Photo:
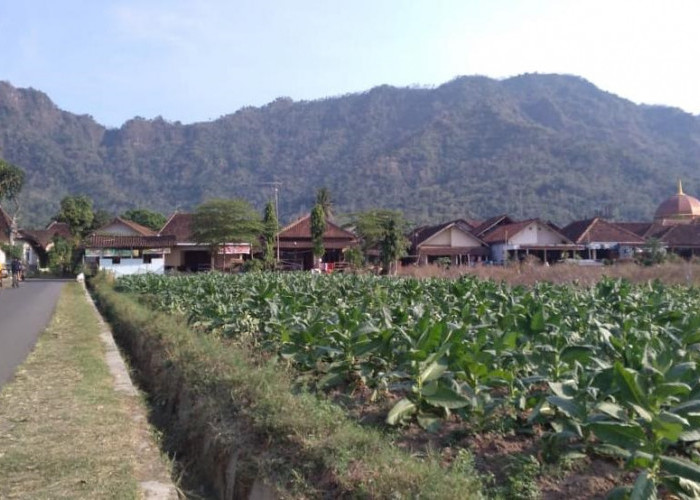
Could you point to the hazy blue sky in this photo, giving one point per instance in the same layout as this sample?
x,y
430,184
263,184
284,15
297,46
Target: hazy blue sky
x,y
197,60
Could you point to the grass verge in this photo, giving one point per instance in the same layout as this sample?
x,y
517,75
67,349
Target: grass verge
x,y
239,424
64,431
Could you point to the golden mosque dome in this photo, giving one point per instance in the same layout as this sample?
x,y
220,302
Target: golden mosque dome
x,y
679,207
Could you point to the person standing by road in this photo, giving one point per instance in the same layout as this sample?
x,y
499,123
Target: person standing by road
x,y
16,268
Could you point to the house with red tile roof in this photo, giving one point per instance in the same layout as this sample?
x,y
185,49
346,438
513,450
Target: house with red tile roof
x,y
188,255
453,240
603,240
532,237
296,245
124,247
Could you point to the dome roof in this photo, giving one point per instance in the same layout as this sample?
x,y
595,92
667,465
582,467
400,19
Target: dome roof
x,y
679,206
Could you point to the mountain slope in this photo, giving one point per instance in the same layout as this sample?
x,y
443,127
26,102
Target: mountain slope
x,y
535,145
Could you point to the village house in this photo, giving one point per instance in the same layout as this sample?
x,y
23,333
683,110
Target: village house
x,y
38,242
125,247
532,237
296,245
601,239
188,255
451,240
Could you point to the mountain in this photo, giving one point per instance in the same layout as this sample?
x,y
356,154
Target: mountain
x,y
552,146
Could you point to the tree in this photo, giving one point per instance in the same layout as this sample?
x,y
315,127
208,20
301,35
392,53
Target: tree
x,y
11,182
145,217
382,230
77,212
61,256
220,221
270,229
318,227
323,198
100,218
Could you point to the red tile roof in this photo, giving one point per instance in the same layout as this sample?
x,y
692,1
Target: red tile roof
x,y
180,226
142,230
110,241
44,237
301,229
490,224
506,231
600,230
682,236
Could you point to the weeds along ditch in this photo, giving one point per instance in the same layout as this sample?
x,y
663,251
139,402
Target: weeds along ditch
x,y
604,370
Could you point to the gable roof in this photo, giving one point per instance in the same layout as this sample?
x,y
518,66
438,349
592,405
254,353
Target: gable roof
x,y
683,236
129,224
504,232
490,224
424,233
301,229
599,230
179,225
638,228
44,237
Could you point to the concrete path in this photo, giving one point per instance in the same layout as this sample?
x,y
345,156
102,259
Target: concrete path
x,y
24,314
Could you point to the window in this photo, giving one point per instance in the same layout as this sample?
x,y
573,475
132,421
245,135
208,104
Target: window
x,y
116,260
147,259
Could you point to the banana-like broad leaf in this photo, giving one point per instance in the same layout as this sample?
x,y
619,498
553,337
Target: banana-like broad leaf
x,y
580,353
644,487
428,422
671,389
681,468
628,384
688,407
444,397
404,408
612,409
433,371
567,406
627,436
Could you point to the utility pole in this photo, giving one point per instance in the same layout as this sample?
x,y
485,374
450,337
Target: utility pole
x,y
275,186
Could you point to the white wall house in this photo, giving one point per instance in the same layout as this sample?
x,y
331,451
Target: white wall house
x,y
124,247
530,237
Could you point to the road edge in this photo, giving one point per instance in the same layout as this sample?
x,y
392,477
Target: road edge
x,y
152,487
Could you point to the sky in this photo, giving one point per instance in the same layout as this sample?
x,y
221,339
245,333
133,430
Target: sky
x,y
197,60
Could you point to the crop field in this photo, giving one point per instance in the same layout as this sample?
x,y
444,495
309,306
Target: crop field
x,y
604,370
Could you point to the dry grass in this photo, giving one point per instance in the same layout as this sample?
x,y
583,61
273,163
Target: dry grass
x,y
64,432
680,273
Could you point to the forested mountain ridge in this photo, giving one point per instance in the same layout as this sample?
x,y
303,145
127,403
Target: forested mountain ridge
x,y
551,146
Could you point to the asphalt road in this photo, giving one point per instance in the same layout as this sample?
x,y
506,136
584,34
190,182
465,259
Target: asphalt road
x,y
24,314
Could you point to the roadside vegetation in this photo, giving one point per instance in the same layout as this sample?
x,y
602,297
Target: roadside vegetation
x,y
64,431
229,406
564,377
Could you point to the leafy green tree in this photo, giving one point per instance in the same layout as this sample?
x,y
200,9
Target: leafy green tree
x,y
100,218
323,198
270,229
393,244
318,227
11,182
371,227
61,256
145,217
77,212
220,221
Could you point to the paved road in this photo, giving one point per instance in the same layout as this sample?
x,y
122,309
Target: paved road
x,y
24,314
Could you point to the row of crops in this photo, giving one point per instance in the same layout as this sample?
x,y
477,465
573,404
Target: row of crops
x,y
609,369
